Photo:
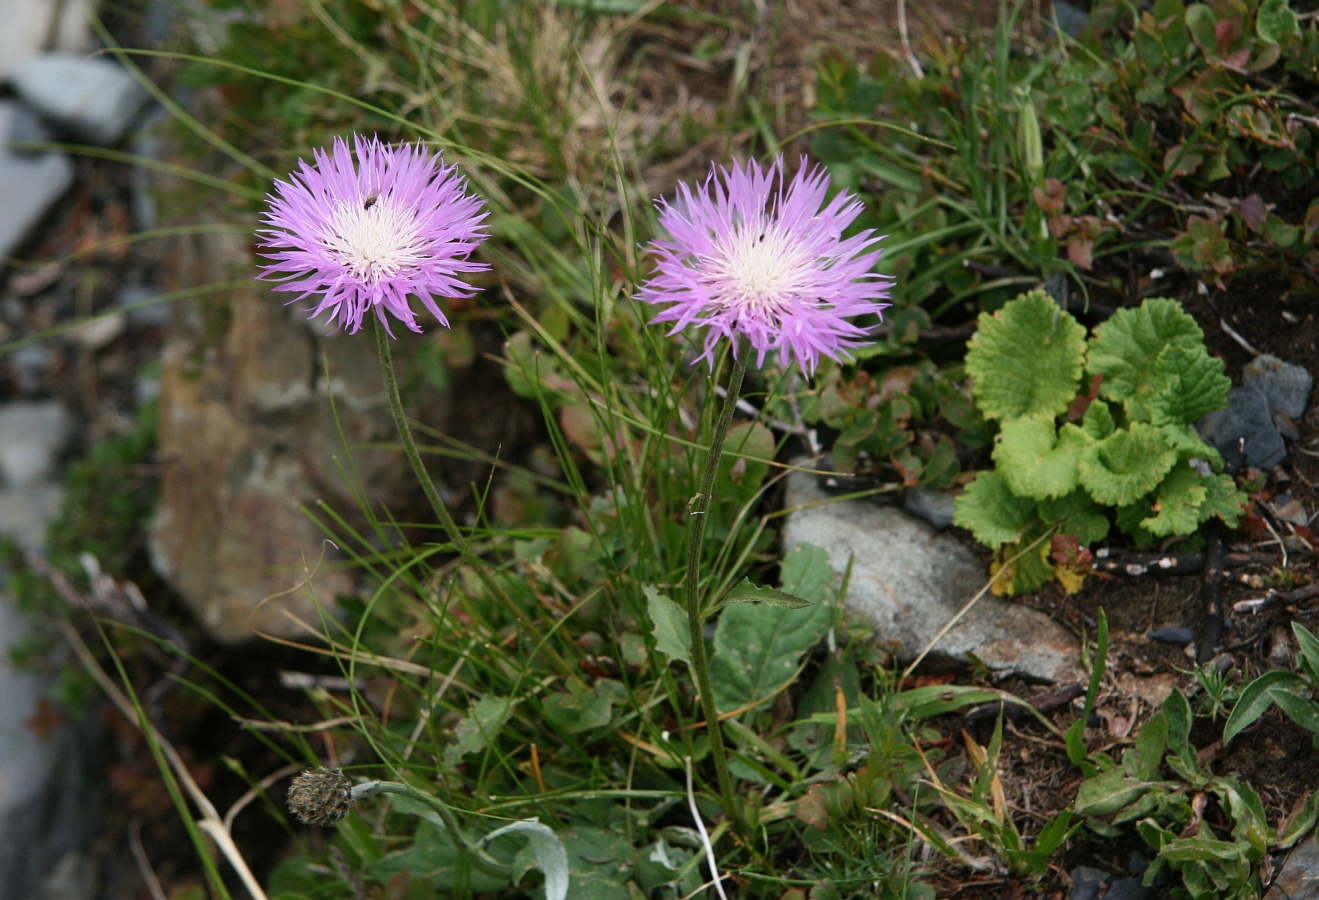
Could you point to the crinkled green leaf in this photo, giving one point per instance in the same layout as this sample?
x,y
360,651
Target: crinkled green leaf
x,y
1036,460
757,647
1178,502
1076,514
478,728
1186,384
1186,441
991,512
1223,499
1126,465
1125,349
1098,420
1026,359
673,635
600,863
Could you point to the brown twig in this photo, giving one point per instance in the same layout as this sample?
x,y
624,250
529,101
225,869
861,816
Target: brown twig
x,y
1212,630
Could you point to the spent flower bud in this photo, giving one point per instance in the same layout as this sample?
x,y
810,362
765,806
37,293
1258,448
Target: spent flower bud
x,y
320,796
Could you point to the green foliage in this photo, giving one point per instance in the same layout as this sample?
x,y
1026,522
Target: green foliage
x,y
1161,788
1068,462
109,497
1291,692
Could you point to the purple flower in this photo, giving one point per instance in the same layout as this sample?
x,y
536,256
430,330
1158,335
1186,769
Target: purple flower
x,y
748,255
364,236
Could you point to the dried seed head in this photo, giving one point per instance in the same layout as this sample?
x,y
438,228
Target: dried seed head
x,y
320,796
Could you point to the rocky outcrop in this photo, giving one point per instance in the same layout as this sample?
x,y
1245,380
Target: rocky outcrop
x,y
251,440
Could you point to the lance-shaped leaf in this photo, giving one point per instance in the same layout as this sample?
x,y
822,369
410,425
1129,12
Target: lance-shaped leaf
x,y
746,592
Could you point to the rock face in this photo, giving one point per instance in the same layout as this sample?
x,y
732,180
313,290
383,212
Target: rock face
x,y
910,581
248,439
91,99
30,184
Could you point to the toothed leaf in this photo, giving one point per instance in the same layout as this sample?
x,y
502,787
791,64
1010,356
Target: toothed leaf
x,y
990,511
1026,359
1126,465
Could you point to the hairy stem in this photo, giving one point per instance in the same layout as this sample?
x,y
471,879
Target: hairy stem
x,y
700,504
474,853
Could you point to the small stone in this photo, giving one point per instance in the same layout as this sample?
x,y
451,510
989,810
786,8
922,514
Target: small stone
x,y
1299,877
32,435
1087,882
935,507
91,98
1173,634
1287,387
1243,432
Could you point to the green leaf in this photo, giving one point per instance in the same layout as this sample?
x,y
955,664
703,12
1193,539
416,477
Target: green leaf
x,y
1037,461
757,647
1026,359
1309,645
433,857
478,728
600,863
1255,700
673,635
1302,711
1108,792
1078,515
582,708
1126,465
1275,21
1178,500
1125,349
748,451
1185,385
991,512
746,592
1222,499
1098,420
1301,824
546,853
1144,759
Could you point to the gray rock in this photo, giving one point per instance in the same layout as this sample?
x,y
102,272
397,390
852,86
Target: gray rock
x,y
92,98
31,438
910,581
1299,878
1244,431
25,511
30,184
935,507
1285,386
32,26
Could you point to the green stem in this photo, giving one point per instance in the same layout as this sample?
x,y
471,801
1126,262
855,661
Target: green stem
x,y
456,537
409,447
474,853
700,504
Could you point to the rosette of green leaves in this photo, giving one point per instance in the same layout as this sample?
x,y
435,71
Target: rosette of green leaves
x,y
1069,461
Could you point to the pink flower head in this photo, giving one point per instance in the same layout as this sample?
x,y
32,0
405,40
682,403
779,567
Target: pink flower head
x,y
363,236
747,254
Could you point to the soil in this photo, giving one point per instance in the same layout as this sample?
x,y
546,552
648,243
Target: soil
x,y
97,382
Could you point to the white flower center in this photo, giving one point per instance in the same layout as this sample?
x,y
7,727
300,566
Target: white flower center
x,y
375,239
762,269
